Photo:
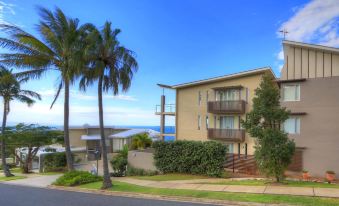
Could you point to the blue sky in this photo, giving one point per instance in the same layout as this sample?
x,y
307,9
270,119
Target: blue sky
x,y
175,42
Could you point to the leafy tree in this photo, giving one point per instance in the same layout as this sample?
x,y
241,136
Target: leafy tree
x,y
273,150
112,67
32,137
141,141
63,48
10,89
119,162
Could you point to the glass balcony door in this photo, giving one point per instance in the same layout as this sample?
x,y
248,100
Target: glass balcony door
x,y
227,122
228,95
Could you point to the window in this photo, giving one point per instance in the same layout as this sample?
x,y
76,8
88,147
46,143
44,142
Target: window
x,y
215,121
292,125
207,97
199,98
245,150
199,122
229,95
207,123
291,92
239,150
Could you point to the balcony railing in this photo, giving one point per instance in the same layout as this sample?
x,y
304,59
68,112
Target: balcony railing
x,y
226,107
169,108
232,135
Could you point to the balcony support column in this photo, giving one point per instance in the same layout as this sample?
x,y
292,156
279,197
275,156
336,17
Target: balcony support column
x,y
162,115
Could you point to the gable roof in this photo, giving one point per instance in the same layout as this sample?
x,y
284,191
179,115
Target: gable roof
x,y
220,78
313,46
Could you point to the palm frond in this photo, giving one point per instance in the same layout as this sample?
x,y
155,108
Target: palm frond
x,y
57,94
31,94
25,99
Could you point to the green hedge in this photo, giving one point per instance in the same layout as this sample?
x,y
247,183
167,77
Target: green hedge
x,y
55,162
74,178
190,157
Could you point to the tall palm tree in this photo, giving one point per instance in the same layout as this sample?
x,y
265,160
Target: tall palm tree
x,y
112,67
10,89
62,48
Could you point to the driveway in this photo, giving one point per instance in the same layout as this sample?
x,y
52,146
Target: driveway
x,y
35,181
15,195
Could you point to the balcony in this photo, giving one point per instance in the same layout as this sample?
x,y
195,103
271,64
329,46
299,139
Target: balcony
x,y
169,109
226,107
231,135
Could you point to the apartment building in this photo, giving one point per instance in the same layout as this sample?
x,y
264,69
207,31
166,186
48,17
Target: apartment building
x,y
212,109
310,89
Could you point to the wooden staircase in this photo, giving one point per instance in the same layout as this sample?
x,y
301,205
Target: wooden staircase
x,y
241,163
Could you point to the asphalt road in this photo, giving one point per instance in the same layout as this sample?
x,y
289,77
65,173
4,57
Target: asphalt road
x,y
13,195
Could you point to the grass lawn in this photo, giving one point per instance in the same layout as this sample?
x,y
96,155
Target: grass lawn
x,y
243,197
169,177
14,170
266,183
2,179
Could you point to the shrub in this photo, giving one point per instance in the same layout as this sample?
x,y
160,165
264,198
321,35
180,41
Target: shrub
x,y
9,165
190,157
141,141
55,162
132,171
74,178
119,162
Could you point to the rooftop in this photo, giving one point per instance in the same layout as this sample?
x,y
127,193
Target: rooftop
x,y
220,78
313,46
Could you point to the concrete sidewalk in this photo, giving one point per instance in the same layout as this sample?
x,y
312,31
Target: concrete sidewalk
x,y
41,181
194,185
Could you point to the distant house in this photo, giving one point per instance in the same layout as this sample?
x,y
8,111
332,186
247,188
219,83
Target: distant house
x,y
88,137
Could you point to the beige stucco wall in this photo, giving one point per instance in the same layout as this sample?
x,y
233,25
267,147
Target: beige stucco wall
x,y
75,137
319,133
141,160
188,109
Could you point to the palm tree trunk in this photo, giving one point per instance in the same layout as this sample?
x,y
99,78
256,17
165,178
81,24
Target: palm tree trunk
x,y
107,183
7,173
66,128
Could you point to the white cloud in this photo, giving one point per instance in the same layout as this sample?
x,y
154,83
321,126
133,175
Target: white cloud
x,y
6,9
316,22
281,55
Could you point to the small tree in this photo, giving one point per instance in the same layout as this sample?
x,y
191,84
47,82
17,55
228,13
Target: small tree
x,y
273,150
32,137
141,141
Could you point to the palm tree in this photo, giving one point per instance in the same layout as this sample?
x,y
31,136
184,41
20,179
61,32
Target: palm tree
x,y
10,89
112,66
62,48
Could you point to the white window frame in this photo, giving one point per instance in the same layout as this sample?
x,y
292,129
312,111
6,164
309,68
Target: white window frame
x,y
297,126
207,122
199,122
297,91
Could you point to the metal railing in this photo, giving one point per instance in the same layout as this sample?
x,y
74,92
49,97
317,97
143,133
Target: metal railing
x,y
232,135
168,108
224,107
